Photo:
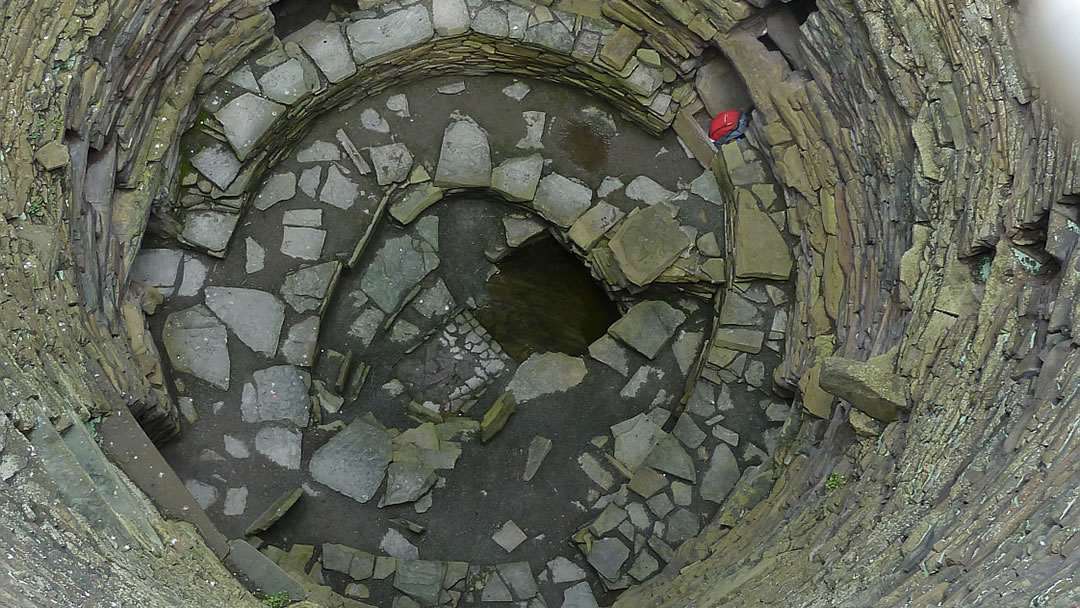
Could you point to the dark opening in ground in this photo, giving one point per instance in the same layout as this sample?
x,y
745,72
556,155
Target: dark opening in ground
x,y
291,15
544,300
803,9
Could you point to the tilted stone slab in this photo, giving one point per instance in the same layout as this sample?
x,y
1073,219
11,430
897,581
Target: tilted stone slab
x,y
197,344
375,38
516,179
210,230
354,462
254,316
286,83
647,243
648,326
465,157
326,45
760,249
561,200
246,119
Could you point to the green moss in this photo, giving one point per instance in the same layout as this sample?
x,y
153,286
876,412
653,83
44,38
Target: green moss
x,y
277,600
835,481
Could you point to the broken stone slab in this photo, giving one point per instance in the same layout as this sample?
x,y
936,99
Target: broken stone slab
x,y
607,557
519,230
546,373
307,288
495,591
371,120
274,512
302,243
398,104
495,418
644,566
516,179
375,38
608,351
760,249
399,548
421,580
519,89
646,482
354,461
194,276
721,476
362,566
218,164
398,266
509,536
739,339
646,190
660,505
280,445
682,525
519,578
552,35
53,155
278,393
338,190
670,457
563,570
310,180
245,120
406,482
738,310
300,345
648,326
415,201
688,432
312,218
158,268
618,49
210,230
338,558
279,187
235,502
326,46
608,520
579,596
254,316
647,242
263,573
534,130
635,440
287,83
197,344
354,155
453,88
592,468
465,157
561,200
594,224
870,386
392,163
539,448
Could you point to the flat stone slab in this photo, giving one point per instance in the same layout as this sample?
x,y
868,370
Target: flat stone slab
x,y
579,596
300,345
392,163
374,38
451,17
760,249
263,573
648,326
563,570
407,482
326,46
646,190
279,187
218,164
534,130
157,267
254,316
594,224
516,179
280,445
286,83
721,476
546,373
396,546
197,344
552,35
400,264
519,578
210,230
245,120
608,351
561,200
421,579
707,188
415,201
607,557
338,190
509,536
354,461
635,440
492,21
520,229
302,243
305,289
278,393
647,243
539,448
465,157
670,457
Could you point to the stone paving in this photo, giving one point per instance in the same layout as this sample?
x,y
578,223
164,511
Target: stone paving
x,y
334,350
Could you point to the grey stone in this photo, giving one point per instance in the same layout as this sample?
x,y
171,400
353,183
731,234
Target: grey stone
x,y
280,445
721,476
509,536
639,517
235,502
194,277
245,120
374,38
421,579
609,186
203,493
546,373
274,512
595,471
218,164
434,301
395,545
300,345
687,431
278,393
726,435
702,400
285,83
326,46
244,78
648,326
608,520
706,187
647,242
516,179
157,267
305,289
551,35
538,450
450,17
518,18
338,558
520,229
644,80
312,218
254,316
561,200
367,325
398,104
635,440
354,461
465,157
660,505
263,573
280,187
310,180
682,493
709,246
579,596
670,457
607,351
564,571
760,249
492,21
357,590
210,230
607,557
362,566
519,578
302,243
407,482
392,163
415,201
644,566
871,386
686,348
594,224
682,525
755,374
644,189
235,447
534,130
399,265
339,191
372,121
495,590
197,344
739,311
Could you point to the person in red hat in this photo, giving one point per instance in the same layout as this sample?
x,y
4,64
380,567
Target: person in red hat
x,y
728,126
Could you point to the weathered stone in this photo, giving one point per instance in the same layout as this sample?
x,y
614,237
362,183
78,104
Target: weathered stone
x,y
392,163
158,268
648,326
302,243
607,557
635,440
399,265
326,45
721,476
218,164
375,38
210,230
551,35
406,482
197,344
618,48
519,230
491,20
465,157
254,316
646,482
509,536
644,189
354,461
563,570
285,83
305,289
495,418
644,566
516,179
421,579
538,450
870,386
245,120
280,187
561,200
760,250
280,445
371,120
607,351
519,578
687,431
279,393
300,345
54,155
415,201
579,596
274,512
546,373
262,572
393,543
450,17
338,190
534,130
738,339
647,242
682,525
594,224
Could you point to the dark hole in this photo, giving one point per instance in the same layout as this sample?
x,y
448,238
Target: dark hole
x,y
544,300
291,15
768,42
802,9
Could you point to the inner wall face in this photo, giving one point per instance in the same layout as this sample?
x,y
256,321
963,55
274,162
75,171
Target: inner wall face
x,y
399,435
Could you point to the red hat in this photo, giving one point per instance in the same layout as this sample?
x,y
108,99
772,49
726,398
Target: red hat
x,y
724,123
